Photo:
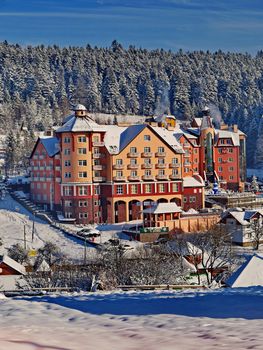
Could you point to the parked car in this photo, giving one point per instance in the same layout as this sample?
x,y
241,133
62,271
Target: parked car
x,y
89,232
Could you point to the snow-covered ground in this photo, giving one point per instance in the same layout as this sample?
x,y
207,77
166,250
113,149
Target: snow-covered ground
x,y
220,319
14,217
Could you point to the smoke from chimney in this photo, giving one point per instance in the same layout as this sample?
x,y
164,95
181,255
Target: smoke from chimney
x,y
216,115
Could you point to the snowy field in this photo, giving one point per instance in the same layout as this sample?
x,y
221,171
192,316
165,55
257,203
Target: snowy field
x,y
221,319
13,218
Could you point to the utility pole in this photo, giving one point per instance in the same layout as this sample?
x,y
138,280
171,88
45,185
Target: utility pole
x,y
25,237
33,227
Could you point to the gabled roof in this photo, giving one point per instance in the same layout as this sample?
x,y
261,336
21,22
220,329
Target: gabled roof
x,y
79,124
162,208
13,264
50,143
196,181
168,137
129,134
250,273
242,217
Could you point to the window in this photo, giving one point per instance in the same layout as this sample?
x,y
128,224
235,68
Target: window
x,y
68,203
119,161
220,151
230,160
148,188
96,150
230,150
133,173
175,172
68,215
195,151
32,185
221,142
83,190
44,186
82,139
147,149
192,199
160,149
133,161
147,172
82,151
161,161
44,197
119,189
82,162
220,160
83,203
133,150
161,172
229,141
147,161
82,174
67,163
83,215
161,188
96,190
186,170
185,200
38,186
66,139
147,138
175,187
67,175
96,138
67,151
119,173
220,169
96,203
175,161
221,177
68,191
231,168
231,177
134,189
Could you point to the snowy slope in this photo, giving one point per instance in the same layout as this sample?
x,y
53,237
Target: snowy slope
x,y
222,319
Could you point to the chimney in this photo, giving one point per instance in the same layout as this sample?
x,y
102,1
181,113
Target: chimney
x,y
235,128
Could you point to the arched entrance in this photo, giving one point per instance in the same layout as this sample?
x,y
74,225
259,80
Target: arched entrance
x,y
162,200
134,209
120,211
148,203
177,201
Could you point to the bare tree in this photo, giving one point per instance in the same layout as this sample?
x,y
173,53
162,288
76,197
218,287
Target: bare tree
x,y
256,226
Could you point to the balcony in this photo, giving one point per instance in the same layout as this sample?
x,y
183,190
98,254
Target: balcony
x,y
133,155
174,165
42,179
98,144
187,164
98,179
49,179
57,168
133,166
175,177
119,178
118,166
160,154
147,155
98,167
133,178
148,177
187,155
161,177
160,166
98,155
147,166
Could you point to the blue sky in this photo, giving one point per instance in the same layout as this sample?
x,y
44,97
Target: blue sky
x,y
229,25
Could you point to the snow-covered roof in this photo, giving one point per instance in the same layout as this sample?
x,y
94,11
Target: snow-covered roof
x,y
112,138
163,208
76,124
169,137
242,217
13,264
227,134
12,283
196,181
249,274
129,134
51,145
80,107
198,121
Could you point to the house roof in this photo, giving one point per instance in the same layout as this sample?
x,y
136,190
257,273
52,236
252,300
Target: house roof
x,y
196,181
13,264
79,124
242,217
250,273
169,137
51,145
163,208
129,134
